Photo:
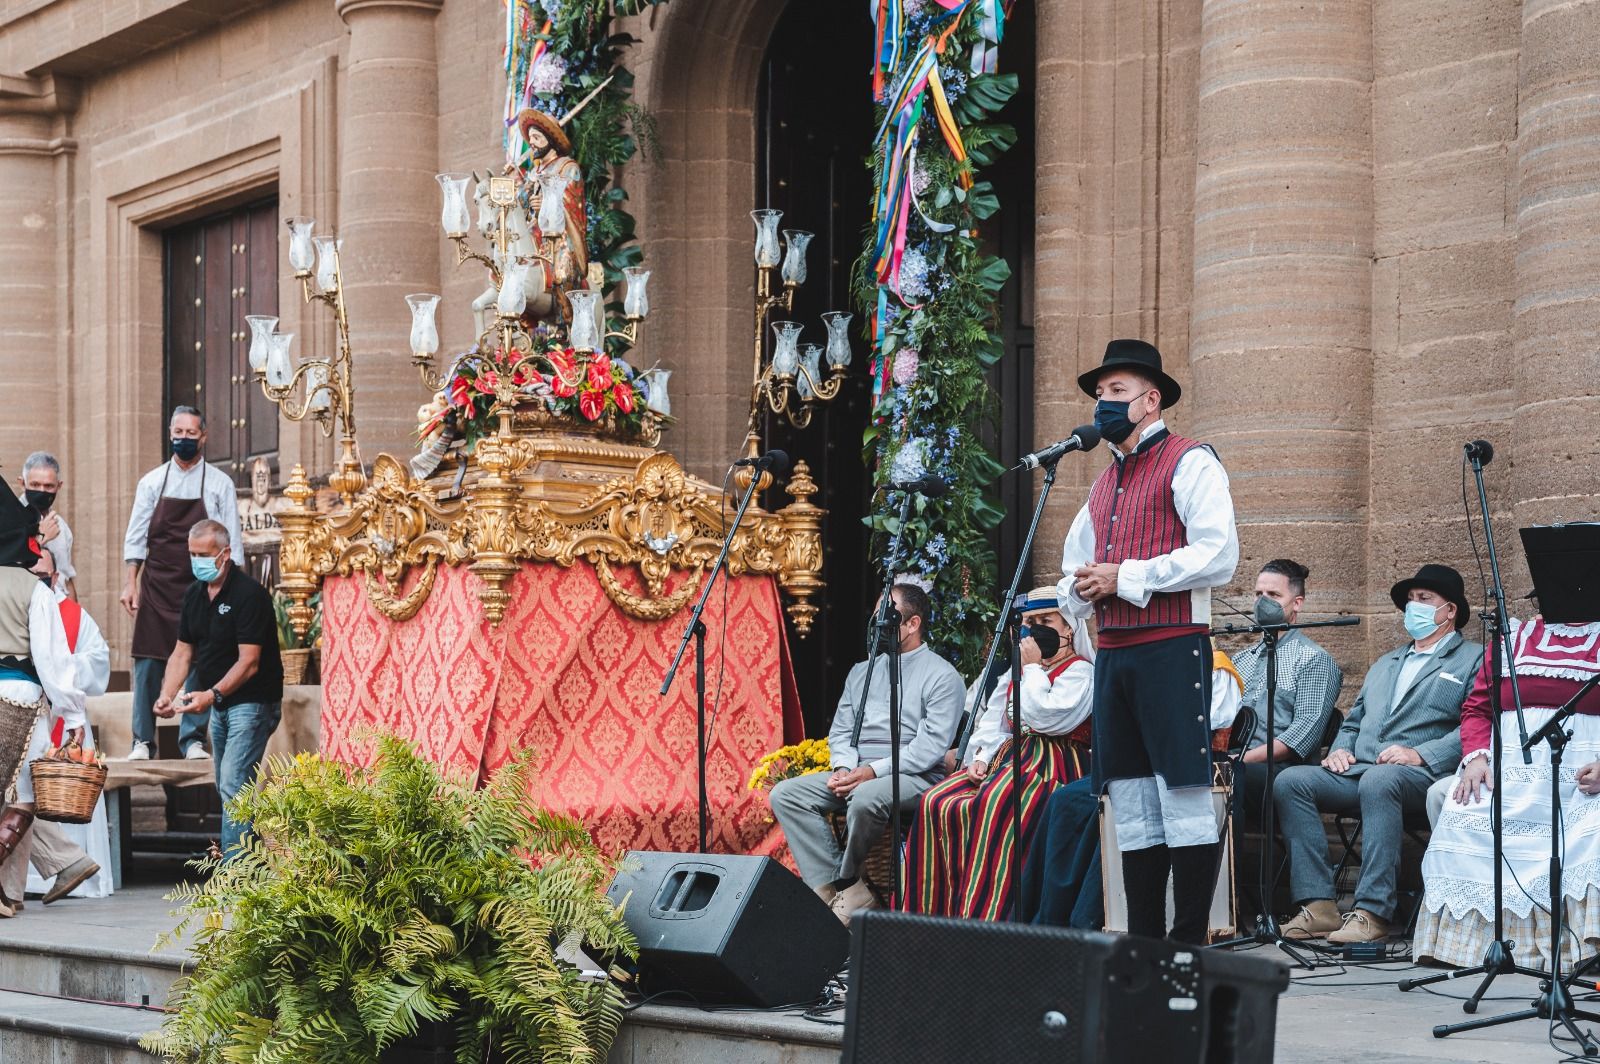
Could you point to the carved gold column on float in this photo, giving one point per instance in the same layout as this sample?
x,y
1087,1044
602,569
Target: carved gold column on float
x,y
1556,337
1280,342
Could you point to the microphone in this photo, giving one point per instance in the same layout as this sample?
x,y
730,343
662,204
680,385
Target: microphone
x,y
774,460
1480,451
930,486
1083,438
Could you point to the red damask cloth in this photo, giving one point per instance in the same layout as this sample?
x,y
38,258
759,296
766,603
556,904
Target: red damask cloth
x,y
570,675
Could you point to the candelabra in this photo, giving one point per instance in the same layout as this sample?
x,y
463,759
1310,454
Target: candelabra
x,y
322,389
507,346
791,384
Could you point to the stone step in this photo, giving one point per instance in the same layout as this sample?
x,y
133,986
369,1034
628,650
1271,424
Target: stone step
x,y
47,1030
98,971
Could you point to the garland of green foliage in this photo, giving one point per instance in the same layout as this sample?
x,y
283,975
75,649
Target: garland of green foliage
x,y
935,400
376,899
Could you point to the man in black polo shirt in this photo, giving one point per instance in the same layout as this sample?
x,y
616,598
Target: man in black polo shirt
x,y
227,633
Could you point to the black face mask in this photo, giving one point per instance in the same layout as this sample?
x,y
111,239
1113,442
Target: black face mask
x,y
185,448
41,501
1047,639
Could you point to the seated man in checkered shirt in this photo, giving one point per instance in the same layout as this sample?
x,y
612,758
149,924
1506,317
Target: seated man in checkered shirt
x,y
1308,686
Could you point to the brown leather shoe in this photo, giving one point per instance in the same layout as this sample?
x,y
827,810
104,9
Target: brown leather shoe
x,y
68,879
1314,920
1360,926
855,898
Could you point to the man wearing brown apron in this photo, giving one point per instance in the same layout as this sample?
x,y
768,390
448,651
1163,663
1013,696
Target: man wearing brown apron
x,y
167,503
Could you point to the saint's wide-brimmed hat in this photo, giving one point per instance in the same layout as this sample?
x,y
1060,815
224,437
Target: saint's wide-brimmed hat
x,y
1139,356
1437,578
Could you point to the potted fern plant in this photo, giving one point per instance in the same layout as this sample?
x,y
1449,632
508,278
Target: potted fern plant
x,y
377,904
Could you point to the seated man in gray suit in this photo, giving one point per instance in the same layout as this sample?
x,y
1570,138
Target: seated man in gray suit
x,y
1402,734
861,783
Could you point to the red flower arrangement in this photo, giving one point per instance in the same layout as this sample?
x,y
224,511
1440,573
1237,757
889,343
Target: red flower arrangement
x,y
604,390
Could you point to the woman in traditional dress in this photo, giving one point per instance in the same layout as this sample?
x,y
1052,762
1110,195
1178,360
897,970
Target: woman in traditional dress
x,y
1552,662
959,852
36,672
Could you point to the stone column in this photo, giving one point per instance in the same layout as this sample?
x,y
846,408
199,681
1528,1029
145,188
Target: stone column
x,y
1280,341
1555,446
34,298
388,204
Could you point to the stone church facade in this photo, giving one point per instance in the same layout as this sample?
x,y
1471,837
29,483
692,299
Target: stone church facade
x,y
1363,232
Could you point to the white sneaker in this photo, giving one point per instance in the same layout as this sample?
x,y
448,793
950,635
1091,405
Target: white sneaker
x,y
196,752
140,752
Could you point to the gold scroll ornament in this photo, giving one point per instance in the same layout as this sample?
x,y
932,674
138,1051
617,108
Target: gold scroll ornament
x,y
656,519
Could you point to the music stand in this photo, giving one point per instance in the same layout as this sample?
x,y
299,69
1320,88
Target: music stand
x,y
1564,561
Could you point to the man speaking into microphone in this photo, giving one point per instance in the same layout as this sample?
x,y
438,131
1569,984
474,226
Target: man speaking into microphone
x,y
1156,535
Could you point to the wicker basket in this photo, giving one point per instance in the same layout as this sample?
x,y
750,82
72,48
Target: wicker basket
x,y
66,791
294,664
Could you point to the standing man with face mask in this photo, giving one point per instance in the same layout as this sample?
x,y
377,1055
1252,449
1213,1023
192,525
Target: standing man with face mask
x,y
1402,734
167,503
1156,535
226,665
40,483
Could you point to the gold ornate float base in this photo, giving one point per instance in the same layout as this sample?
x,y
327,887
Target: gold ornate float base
x,y
547,496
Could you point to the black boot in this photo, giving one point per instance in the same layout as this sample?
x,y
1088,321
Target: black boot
x,y
1144,880
1194,881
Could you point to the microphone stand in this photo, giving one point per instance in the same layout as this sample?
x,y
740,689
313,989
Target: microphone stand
x,y
1014,875
1497,958
1555,1003
1267,932
886,619
696,628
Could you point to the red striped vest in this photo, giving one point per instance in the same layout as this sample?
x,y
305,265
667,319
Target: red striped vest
x,y
1131,509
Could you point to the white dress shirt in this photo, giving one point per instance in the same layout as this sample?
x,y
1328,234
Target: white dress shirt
x,y
221,500
1200,495
1048,707
58,675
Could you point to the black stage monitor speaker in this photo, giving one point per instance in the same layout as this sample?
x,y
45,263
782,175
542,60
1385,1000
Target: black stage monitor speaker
x,y
727,929
926,988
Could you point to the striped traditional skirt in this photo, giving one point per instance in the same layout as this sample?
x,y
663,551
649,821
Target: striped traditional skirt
x,y
959,851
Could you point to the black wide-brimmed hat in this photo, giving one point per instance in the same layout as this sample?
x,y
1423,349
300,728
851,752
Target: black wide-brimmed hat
x,y
19,524
1437,578
1137,355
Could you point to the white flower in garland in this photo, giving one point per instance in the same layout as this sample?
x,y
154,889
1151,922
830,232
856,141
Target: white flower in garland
x,y
906,361
920,177
915,580
914,274
910,462
549,73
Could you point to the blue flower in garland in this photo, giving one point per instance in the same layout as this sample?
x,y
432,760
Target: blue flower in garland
x,y
911,462
914,279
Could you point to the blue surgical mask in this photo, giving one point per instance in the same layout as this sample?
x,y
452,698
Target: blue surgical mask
x,y
1111,418
204,569
1419,620
185,448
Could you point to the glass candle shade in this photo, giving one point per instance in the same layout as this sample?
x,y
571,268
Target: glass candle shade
x,y
794,259
786,356
553,203
319,396
656,397
838,326
280,368
328,263
636,303
767,236
584,335
261,326
302,254
424,326
513,297
810,371
455,218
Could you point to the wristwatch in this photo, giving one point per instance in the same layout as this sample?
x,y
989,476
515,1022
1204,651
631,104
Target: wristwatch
x,y
216,698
